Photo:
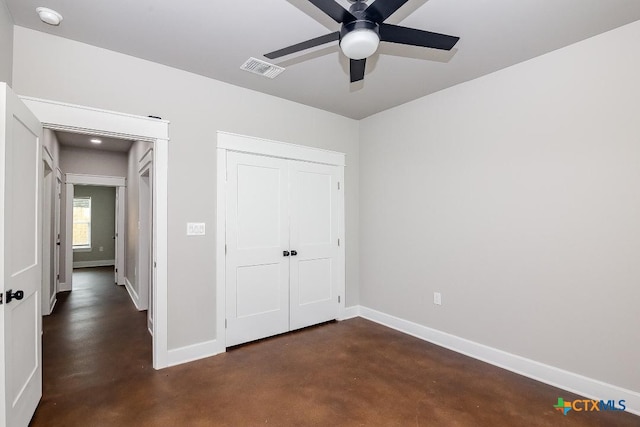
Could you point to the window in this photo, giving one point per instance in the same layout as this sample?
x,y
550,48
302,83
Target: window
x,y
82,223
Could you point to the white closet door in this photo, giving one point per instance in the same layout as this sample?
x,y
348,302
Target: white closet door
x,y
314,237
257,273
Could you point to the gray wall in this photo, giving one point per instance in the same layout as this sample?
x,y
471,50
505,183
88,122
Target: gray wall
x,y
6,43
103,217
50,67
517,196
93,162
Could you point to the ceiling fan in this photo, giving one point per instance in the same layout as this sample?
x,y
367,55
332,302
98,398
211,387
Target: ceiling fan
x,y
362,30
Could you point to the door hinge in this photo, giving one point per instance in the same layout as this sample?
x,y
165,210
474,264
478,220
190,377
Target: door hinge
x,y
116,270
225,249
155,264
1,294
225,323
58,276
338,185
338,242
338,299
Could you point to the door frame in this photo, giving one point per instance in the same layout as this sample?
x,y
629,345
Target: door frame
x,y
71,180
92,121
251,145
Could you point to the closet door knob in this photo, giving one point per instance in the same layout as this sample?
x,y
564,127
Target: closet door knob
x,y
294,253
285,253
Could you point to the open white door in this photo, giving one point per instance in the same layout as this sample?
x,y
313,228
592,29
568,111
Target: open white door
x,y
58,227
119,236
47,295
145,238
20,260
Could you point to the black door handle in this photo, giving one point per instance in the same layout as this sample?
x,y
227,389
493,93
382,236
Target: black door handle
x,y
285,253
58,243
14,295
294,253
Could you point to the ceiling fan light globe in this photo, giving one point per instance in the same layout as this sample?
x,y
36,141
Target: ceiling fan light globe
x,y
360,43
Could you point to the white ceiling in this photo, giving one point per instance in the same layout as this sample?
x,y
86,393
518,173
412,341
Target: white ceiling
x,y
214,37
79,140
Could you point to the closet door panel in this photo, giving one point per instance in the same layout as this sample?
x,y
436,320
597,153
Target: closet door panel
x,y
314,237
257,273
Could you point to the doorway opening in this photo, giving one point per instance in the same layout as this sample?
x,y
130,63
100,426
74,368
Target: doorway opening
x,y
56,116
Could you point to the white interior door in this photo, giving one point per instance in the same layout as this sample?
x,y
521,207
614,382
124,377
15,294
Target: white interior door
x,y
57,231
21,258
315,260
119,235
144,239
257,270
116,229
48,262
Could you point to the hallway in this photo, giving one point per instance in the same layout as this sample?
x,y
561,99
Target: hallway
x,y
97,372
93,344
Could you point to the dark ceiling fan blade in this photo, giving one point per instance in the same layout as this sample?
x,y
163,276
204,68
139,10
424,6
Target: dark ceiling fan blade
x,y
356,67
334,10
414,37
382,9
304,45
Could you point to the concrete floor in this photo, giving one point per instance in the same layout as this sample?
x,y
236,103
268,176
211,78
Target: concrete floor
x,y
97,372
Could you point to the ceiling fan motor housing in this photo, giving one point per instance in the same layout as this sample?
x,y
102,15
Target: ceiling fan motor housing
x,y
360,24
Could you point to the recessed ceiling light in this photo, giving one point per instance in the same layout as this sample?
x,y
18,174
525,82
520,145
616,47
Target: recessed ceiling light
x,y
49,16
96,141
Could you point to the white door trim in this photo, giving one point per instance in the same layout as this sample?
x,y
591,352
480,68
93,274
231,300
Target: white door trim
x,y
266,147
252,145
98,180
73,118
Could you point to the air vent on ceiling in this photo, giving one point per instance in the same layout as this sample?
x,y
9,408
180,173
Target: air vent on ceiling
x,y
263,68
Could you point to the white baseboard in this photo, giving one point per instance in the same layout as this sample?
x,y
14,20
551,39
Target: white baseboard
x,y
350,312
150,325
98,263
52,304
63,287
194,352
572,382
132,293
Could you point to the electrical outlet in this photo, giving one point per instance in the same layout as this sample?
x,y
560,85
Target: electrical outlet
x,y
437,298
195,229
101,249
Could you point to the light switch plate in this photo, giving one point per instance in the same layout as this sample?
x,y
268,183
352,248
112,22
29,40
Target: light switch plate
x,y
196,229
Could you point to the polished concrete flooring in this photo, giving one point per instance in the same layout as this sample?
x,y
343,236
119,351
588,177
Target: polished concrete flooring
x,y
97,372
